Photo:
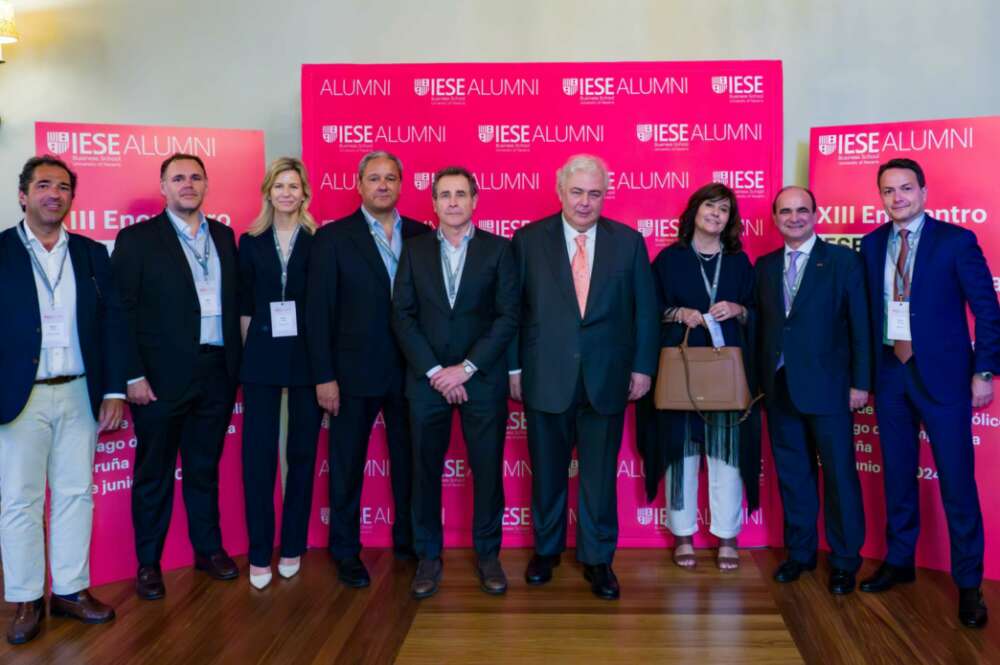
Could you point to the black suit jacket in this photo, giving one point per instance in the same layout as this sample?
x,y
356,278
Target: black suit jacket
x,y
99,322
161,305
269,360
825,336
480,327
350,309
616,336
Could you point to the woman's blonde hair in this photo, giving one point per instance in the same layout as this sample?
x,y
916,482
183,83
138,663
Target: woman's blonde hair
x,y
266,217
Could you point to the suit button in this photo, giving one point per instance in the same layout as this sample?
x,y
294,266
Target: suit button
x,y
576,356
34,361
38,330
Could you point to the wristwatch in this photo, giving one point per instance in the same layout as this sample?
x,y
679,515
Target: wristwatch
x,y
469,368
985,376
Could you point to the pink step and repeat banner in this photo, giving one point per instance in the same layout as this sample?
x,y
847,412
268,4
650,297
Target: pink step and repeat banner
x,y
119,185
664,128
959,158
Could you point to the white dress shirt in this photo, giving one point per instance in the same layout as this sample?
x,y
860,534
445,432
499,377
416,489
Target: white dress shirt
x,y
456,259
571,248
889,278
802,261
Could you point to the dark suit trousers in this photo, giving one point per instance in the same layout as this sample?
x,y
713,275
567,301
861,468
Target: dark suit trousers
x,y
901,403
598,438
261,423
795,439
195,424
349,433
484,427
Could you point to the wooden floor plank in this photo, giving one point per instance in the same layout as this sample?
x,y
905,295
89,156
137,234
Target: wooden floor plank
x,y
665,614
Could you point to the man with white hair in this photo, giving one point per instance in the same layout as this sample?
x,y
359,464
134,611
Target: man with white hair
x,y
587,345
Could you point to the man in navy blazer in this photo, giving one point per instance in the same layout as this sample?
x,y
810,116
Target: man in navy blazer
x,y
64,381
356,362
815,360
922,274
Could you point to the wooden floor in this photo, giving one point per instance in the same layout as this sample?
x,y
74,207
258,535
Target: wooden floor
x,y
665,615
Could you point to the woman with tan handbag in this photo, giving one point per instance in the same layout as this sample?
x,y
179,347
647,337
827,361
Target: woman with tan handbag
x,y
705,286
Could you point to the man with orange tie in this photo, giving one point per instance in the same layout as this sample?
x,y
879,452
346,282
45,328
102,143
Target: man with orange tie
x,y
922,273
588,344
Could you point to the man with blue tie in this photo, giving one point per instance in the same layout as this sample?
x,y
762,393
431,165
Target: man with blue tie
x,y
922,274
64,381
356,360
179,281
815,359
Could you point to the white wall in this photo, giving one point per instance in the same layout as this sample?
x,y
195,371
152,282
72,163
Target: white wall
x,y
235,63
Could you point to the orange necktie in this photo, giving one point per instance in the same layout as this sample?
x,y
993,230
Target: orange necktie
x,y
581,276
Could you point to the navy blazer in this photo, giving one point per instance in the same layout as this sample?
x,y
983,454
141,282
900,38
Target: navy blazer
x,y
617,335
479,327
162,315
825,337
949,273
268,360
350,309
99,322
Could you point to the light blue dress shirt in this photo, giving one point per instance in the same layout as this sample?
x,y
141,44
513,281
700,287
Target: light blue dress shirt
x,y
211,326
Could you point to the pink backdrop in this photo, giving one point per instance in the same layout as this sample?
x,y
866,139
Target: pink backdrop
x,y
665,128
959,159
119,176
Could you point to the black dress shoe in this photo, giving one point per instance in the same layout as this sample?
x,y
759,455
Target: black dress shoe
x,y
149,583
404,553
353,573
603,582
85,608
27,621
427,578
539,570
841,582
886,577
790,570
218,565
971,608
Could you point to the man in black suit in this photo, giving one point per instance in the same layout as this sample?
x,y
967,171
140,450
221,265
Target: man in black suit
x,y
356,361
179,278
456,305
588,344
815,359
64,381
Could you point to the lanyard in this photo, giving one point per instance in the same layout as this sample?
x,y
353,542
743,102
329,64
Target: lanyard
x,y
384,246
37,265
713,288
201,259
282,258
451,276
894,251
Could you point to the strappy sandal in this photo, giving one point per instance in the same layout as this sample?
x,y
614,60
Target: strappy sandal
x,y
728,559
684,556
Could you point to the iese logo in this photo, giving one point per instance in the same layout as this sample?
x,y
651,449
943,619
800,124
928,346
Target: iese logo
x,y
738,85
740,180
422,180
857,143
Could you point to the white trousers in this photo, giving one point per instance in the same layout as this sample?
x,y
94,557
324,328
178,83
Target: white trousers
x,y
725,499
54,439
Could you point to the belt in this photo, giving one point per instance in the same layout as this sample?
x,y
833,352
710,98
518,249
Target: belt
x,y
58,380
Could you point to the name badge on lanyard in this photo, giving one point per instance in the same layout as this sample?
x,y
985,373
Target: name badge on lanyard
x,y
55,327
283,320
208,298
898,327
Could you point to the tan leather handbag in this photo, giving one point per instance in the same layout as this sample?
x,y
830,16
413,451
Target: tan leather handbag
x,y
702,378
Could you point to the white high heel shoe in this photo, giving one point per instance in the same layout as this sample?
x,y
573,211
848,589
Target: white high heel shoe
x,y
288,570
260,581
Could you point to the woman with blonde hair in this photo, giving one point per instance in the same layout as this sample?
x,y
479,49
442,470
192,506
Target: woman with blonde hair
x,y
274,263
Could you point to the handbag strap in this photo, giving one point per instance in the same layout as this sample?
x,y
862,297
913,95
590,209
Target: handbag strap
x,y
687,382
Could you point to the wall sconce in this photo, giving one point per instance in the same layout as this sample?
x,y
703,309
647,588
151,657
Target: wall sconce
x,y
8,31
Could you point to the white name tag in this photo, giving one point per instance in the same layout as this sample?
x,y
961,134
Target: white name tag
x,y
899,321
715,330
283,320
208,298
55,328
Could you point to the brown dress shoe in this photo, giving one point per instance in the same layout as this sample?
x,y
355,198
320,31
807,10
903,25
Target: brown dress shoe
x,y
425,582
217,565
86,608
149,583
492,579
25,624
